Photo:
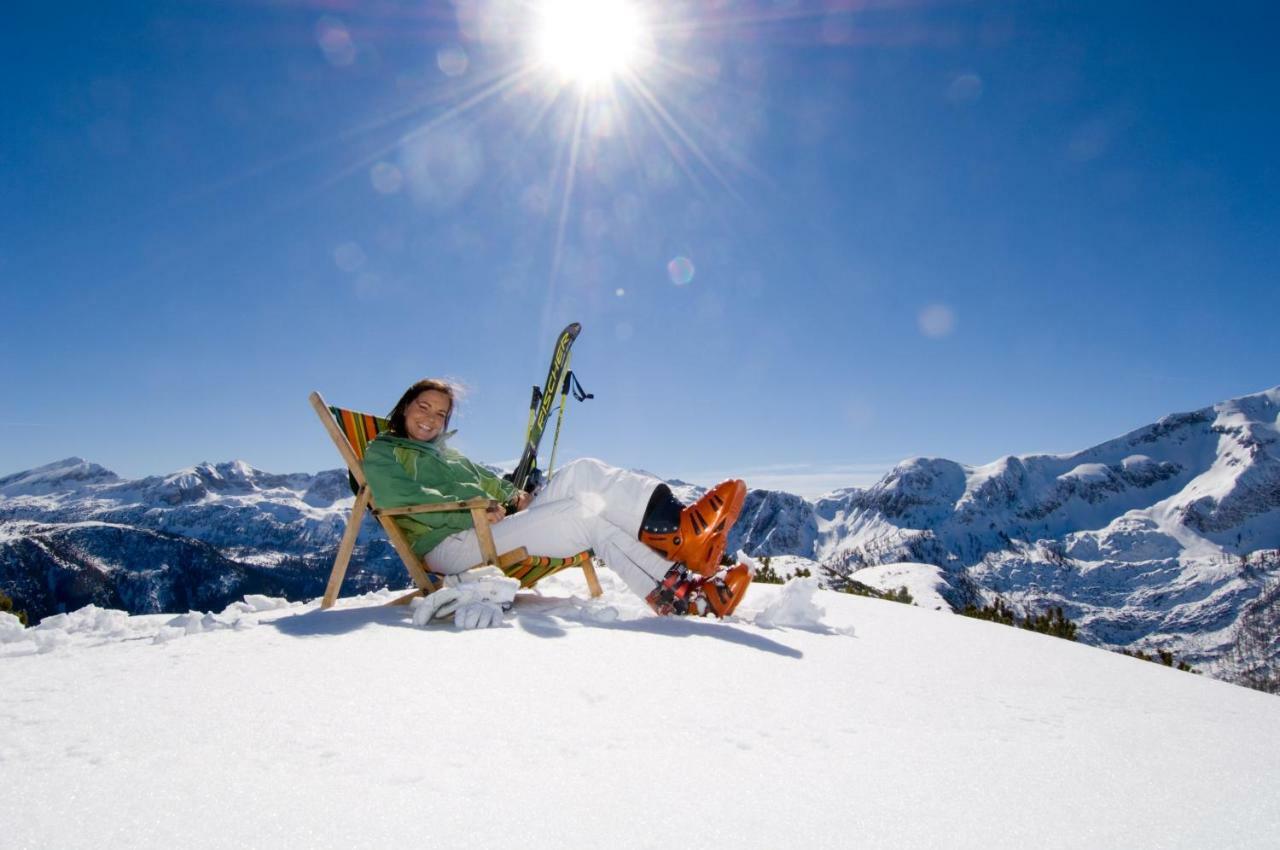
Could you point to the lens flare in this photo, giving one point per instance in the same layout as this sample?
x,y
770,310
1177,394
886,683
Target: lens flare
x,y
936,321
386,178
680,270
335,42
349,256
452,61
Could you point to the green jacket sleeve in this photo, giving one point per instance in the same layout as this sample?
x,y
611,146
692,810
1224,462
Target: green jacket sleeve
x,y
497,488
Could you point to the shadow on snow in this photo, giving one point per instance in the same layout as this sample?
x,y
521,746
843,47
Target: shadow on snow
x,y
542,617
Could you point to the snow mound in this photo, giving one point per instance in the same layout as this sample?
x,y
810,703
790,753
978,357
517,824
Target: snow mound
x,y
89,624
1136,462
11,628
95,626
1088,472
794,607
190,623
106,622
237,615
255,603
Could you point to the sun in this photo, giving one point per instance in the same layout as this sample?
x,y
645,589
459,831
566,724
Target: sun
x,y
589,42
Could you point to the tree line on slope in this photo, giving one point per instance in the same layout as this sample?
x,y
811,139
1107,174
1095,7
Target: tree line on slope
x,y
766,574
1250,662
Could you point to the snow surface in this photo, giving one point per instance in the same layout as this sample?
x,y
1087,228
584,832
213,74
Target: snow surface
x,y
589,723
787,565
923,581
1136,462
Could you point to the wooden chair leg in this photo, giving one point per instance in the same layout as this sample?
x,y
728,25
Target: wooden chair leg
x,y
593,583
407,598
345,548
411,561
484,535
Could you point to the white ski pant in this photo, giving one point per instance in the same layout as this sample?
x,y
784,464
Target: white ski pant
x,y
587,504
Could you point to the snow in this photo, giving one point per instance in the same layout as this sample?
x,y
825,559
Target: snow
x,y
11,629
786,565
1132,538
1133,463
13,531
67,473
794,607
923,581
1087,472
591,723
1112,533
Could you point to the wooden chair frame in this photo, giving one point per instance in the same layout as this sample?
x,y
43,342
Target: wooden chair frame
x,y
364,501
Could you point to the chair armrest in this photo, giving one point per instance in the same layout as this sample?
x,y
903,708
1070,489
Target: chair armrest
x,y
479,518
468,504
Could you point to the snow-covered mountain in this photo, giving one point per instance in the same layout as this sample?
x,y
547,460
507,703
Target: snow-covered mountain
x,y
1164,538
1157,539
73,533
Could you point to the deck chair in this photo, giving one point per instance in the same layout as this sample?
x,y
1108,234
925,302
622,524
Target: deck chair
x,y
351,432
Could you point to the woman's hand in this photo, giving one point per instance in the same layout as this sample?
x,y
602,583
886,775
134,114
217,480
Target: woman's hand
x,y
519,503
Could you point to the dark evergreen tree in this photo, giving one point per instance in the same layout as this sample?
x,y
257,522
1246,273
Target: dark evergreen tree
x,y
6,605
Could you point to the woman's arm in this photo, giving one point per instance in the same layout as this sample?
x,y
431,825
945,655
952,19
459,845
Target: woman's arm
x,y
497,488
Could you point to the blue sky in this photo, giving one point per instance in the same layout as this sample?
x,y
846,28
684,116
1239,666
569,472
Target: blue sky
x,y
918,228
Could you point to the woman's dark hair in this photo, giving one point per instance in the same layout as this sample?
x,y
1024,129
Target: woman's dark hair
x,y
396,417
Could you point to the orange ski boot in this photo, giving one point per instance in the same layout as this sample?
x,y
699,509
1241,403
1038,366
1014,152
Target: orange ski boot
x,y
724,592
696,537
685,593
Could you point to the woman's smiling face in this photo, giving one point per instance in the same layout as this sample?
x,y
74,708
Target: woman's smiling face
x,y
426,415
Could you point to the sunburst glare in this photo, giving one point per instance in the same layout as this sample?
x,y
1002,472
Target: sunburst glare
x,y
589,42
599,116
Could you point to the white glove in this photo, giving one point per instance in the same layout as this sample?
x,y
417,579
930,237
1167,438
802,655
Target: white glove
x,y
462,591
478,615
439,604
488,584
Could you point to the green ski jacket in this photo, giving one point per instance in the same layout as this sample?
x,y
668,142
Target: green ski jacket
x,y
405,472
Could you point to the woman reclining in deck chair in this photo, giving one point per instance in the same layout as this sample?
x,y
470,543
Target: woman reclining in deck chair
x,y
666,553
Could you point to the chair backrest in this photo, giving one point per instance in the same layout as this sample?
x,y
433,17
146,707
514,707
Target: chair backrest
x,y
359,428
351,432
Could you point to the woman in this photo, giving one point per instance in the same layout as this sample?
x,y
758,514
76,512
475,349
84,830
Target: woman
x,y
666,553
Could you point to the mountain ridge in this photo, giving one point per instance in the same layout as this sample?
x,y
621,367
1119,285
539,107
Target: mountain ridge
x,y
1156,539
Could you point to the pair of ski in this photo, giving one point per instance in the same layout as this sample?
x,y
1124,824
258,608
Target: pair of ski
x,y
527,475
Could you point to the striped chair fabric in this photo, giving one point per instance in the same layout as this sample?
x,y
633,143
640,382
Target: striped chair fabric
x,y
359,428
